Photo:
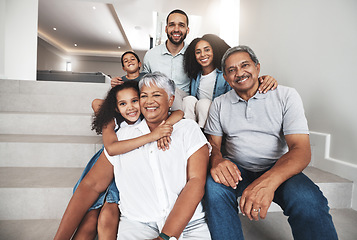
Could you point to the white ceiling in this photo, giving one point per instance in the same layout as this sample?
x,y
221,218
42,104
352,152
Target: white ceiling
x,y
99,27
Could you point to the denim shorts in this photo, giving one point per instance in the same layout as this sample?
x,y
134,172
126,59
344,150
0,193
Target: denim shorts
x,y
111,195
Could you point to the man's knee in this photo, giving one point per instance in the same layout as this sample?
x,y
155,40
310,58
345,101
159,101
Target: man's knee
x,y
304,198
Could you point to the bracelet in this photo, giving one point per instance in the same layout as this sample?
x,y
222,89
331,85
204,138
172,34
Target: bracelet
x,y
164,236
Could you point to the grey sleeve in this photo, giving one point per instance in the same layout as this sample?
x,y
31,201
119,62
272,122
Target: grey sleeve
x,y
213,123
294,120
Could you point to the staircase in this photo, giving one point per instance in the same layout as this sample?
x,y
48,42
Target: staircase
x,y
45,142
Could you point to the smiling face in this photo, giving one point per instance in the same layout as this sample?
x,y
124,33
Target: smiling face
x,y
204,54
128,104
176,28
242,74
154,104
131,63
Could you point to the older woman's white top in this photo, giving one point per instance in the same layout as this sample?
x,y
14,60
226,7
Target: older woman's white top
x,y
150,180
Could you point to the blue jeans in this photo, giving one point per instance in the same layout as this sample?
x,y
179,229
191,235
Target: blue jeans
x,y
111,195
301,200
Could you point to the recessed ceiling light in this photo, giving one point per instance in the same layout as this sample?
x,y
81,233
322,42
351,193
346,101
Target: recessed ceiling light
x,y
75,45
94,8
118,46
54,29
109,32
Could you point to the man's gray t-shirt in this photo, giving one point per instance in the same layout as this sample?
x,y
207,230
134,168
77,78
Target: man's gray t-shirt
x,y
254,130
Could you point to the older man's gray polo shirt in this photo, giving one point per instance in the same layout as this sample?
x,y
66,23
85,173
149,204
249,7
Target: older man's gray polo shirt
x,y
255,129
160,59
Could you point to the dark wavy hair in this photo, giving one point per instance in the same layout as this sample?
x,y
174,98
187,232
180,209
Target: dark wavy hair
x,y
219,47
109,109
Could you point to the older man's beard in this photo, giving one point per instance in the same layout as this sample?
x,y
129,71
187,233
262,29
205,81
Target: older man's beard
x,y
179,42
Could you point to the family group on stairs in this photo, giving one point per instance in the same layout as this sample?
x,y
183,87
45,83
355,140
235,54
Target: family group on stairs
x,y
187,136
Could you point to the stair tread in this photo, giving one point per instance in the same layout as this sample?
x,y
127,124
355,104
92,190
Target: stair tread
x,y
38,177
52,88
33,177
275,226
50,138
320,176
42,229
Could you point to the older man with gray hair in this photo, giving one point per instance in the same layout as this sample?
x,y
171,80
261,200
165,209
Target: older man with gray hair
x,y
266,148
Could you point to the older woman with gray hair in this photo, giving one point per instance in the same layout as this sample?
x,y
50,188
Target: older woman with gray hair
x,y
160,191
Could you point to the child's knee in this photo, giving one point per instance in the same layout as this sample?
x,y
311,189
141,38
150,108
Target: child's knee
x,y
108,215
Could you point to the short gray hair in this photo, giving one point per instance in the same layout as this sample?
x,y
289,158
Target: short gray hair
x,y
240,48
160,80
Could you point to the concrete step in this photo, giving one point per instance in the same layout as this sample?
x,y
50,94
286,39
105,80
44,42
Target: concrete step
x,y
46,124
53,88
274,227
332,186
45,192
337,190
36,193
45,103
38,138
43,229
47,154
49,97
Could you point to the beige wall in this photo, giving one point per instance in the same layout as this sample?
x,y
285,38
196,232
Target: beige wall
x,y
311,46
47,59
18,41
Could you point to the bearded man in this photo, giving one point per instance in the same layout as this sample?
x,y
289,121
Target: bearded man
x,y
168,57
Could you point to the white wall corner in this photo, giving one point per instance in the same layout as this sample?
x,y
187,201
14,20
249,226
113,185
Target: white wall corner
x,y
320,146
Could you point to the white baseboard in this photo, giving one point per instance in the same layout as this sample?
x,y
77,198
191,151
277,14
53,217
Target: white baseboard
x,y
320,145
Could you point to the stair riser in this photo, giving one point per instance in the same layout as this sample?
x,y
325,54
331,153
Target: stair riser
x,y
33,203
46,124
50,203
339,195
46,103
49,97
53,88
46,154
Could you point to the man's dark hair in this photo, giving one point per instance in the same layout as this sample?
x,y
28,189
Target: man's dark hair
x,y
176,11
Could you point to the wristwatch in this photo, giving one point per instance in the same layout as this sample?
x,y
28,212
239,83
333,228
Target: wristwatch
x,y
165,237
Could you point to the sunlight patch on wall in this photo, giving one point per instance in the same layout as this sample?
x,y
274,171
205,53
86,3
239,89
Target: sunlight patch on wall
x,y
229,19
